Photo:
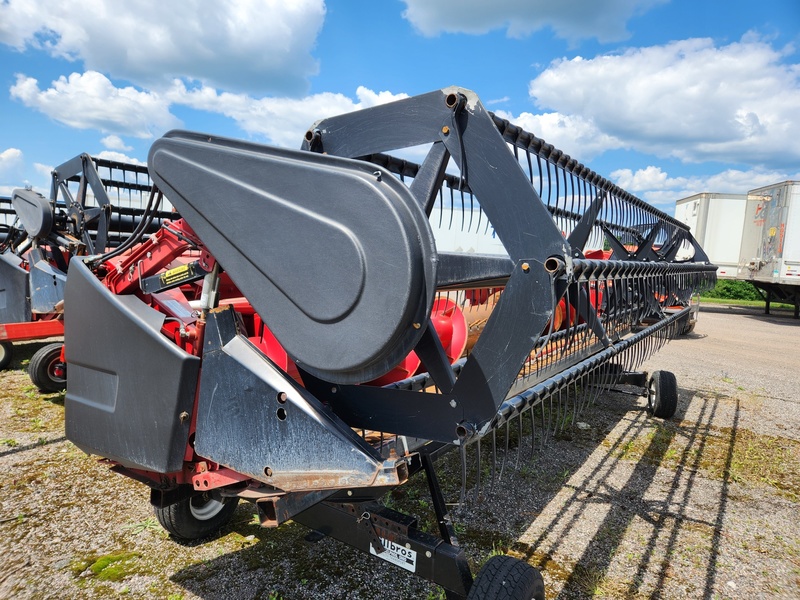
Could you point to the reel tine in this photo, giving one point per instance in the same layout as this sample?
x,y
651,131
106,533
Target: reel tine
x,y
494,459
519,441
477,490
505,456
575,401
546,430
533,431
558,426
462,496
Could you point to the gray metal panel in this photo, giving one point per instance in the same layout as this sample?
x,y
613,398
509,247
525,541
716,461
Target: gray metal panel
x,y
46,284
15,304
256,420
332,253
128,384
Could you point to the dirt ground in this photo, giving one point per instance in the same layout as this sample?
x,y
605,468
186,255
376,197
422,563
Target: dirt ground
x,y
618,505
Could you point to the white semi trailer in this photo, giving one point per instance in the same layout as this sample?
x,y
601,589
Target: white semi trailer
x,y
770,245
717,222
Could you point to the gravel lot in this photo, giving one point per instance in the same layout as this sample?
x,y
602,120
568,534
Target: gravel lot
x,y
619,506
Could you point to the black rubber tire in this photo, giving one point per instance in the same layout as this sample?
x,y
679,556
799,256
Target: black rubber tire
x,y
662,394
42,367
196,517
6,354
507,578
688,328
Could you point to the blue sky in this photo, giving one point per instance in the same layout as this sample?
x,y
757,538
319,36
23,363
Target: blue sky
x,y
665,97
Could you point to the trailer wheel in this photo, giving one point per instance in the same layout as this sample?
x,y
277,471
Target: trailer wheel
x,y
196,517
46,370
6,354
688,328
662,394
507,578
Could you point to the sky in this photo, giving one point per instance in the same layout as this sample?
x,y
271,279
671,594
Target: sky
x,y
667,98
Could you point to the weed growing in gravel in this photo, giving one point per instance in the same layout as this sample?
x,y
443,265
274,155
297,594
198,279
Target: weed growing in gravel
x,y
149,524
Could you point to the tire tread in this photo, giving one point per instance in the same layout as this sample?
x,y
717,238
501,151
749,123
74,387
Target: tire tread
x,y
507,578
179,522
666,394
39,372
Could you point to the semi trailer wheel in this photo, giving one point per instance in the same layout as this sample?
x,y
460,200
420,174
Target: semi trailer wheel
x,y
662,394
507,578
196,517
46,370
6,354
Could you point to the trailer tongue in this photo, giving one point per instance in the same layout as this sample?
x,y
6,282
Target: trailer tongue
x,y
299,337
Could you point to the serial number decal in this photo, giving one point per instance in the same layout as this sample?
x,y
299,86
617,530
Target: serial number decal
x,y
397,554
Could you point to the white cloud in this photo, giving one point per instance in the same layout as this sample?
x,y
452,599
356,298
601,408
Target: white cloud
x,y
569,19
10,160
119,157
44,170
650,178
13,169
687,99
571,134
91,101
655,186
283,121
502,100
114,142
237,44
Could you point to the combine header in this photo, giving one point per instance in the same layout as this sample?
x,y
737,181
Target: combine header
x,y
299,339
94,205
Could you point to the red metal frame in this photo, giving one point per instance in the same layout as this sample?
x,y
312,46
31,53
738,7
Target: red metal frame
x,y
32,330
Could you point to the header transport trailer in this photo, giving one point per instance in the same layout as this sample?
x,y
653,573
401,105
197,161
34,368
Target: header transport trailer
x,y
770,247
297,338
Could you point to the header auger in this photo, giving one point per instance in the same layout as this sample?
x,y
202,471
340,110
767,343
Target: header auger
x,y
309,333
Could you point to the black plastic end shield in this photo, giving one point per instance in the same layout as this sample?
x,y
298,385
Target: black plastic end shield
x,y
34,211
128,384
334,254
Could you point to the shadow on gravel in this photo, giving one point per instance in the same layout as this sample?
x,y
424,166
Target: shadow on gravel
x,y
543,503
779,316
679,447
529,473
776,319
18,449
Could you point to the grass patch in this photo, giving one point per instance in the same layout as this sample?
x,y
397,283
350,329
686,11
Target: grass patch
x,y
737,302
110,567
755,459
